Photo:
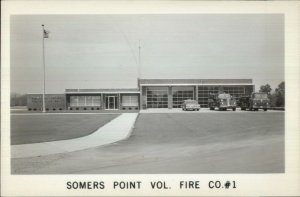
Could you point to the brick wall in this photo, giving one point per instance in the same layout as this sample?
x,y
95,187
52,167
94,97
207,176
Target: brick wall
x,y
52,102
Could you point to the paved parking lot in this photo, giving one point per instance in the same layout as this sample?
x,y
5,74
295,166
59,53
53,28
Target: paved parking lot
x,y
230,142
202,110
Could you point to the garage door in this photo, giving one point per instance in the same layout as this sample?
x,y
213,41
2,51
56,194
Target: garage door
x,y
180,94
157,97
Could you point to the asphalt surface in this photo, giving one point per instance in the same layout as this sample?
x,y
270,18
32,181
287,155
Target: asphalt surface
x,y
250,142
31,128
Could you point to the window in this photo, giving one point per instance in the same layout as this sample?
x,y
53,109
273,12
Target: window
x,y
131,101
96,100
261,96
81,101
76,101
73,101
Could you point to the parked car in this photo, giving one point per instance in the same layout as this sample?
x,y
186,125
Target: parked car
x,y
190,105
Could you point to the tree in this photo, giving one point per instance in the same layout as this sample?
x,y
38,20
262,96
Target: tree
x,y
17,99
280,94
273,99
265,89
277,98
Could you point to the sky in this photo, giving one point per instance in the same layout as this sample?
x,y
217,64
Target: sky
x,y
102,51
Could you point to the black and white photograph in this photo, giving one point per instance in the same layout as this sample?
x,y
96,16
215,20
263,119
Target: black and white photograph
x,y
148,94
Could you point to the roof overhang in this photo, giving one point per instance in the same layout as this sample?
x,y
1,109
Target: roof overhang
x,y
202,84
121,92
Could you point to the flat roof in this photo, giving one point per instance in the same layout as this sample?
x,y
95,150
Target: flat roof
x,y
160,82
107,91
195,81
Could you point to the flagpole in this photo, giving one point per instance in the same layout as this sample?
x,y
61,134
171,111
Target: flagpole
x,y
139,75
139,69
44,70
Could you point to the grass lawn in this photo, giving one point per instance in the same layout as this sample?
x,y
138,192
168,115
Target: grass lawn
x,y
26,129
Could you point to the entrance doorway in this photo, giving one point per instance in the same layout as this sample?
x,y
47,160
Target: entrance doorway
x,y
111,102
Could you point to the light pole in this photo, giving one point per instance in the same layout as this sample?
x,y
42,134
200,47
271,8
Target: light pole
x,y
45,35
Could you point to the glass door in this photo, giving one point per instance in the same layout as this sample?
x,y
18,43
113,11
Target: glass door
x,y
111,102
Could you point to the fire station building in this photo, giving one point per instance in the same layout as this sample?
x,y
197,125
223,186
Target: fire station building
x,y
151,93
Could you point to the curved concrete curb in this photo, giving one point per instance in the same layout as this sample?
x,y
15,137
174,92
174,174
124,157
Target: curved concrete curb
x,y
116,130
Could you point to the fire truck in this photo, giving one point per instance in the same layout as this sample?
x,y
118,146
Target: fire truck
x,y
221,101
255,101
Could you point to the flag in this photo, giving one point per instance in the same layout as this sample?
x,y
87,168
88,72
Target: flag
x,y
46,33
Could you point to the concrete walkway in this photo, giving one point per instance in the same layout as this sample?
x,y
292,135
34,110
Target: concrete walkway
x,y
116,130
